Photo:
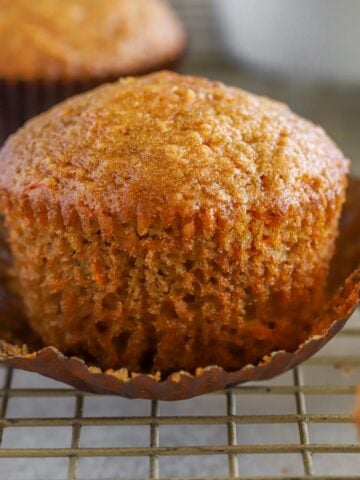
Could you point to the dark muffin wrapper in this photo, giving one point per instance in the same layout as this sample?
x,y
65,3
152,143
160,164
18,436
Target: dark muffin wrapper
x,y
19,348
22,100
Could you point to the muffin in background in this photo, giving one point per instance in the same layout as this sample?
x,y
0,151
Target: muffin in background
x,y
51,49
169,222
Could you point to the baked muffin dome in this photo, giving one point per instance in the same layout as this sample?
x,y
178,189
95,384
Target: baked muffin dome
x,y
169,222
67,39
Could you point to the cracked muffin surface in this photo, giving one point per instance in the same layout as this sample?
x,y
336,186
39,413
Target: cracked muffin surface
x,y
169,222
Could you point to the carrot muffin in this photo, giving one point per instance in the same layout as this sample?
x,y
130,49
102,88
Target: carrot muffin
x,y
52,48
169,222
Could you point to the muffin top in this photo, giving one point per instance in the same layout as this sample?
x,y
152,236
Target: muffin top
x,y
149,148
51,39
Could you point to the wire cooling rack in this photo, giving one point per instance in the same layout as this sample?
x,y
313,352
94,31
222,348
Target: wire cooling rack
x,y
297,426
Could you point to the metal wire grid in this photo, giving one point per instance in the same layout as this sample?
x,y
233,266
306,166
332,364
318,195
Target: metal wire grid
x,y
204,47
231,420
204,51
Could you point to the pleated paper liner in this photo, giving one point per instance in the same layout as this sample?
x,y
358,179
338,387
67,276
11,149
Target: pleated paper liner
x,y
21,100
21,349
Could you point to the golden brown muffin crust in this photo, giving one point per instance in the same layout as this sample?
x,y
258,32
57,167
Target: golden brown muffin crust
x,y
60,39
170,222
165,144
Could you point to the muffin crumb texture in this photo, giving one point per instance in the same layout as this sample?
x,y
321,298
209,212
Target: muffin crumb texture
x,y
169,222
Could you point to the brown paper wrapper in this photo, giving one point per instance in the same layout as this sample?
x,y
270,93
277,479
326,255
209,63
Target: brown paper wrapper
x,y
21,349
21,100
